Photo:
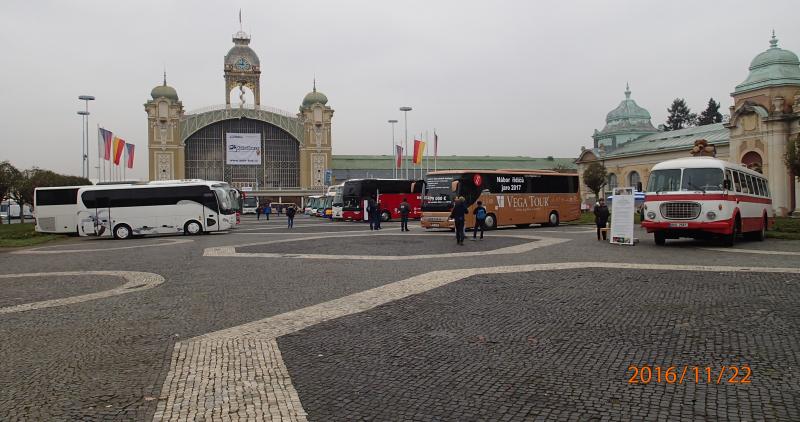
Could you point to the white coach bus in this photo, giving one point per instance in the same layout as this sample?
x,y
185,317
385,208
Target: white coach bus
x,y
701,197
56,209
123,211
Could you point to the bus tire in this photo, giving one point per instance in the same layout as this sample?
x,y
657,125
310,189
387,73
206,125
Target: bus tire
x,y
660,238
122,231
761,234
730,239
386,216
552,219
192,227
491,221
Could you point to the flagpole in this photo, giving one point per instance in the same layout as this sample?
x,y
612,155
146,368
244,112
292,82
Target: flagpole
x,y
435,149
427,155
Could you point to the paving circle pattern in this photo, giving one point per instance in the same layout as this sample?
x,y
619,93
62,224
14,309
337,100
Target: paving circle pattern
x,y
134,282
101,245
278,248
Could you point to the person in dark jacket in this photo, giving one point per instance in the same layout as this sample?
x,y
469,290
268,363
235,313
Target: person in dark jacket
x,y
458,214
405,209
372,213
259,209
290,212
601,215
480,220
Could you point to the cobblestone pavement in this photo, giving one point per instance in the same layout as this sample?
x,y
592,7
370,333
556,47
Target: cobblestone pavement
x,y
125,356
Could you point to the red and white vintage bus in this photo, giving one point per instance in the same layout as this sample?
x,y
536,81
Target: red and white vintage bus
x,y
349,204
701,197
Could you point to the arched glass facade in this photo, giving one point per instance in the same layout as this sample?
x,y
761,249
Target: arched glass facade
x,y
280,161
633,179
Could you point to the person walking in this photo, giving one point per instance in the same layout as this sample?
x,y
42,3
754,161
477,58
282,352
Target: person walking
x,y
480,220
259,209
601,214
458,214
377,215
405,209
267,211
290,212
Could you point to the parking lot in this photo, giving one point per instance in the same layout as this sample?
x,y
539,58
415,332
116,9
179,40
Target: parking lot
x,y
329,321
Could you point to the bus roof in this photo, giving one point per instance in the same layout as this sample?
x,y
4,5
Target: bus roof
x,y
702,162
60,187
504,171
152,185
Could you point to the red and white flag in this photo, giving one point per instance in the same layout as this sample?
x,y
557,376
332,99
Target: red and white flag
x,y
399,156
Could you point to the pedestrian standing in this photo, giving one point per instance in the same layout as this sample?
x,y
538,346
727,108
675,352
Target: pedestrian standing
x,y
290,212
405,209
458,214
371,212
267,211
378,215
259,209
480,220
601,214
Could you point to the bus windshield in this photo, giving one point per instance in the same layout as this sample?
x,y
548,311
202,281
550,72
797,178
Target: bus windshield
x,y
691,179
250,202
226,198
439,195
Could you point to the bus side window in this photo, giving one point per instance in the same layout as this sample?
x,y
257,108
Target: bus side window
x,y
749,183
736,183
756,186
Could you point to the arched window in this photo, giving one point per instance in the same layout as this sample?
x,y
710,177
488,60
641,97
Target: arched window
x,y
752,160
633,179
612,182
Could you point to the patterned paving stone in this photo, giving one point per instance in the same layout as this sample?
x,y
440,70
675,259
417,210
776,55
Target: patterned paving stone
x,y
557,345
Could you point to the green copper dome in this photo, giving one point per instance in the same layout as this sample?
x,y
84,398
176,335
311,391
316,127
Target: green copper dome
x,y
628,117
773,67
314,97
164,91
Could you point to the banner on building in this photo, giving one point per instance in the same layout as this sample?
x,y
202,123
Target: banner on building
x,y
243,148
622,208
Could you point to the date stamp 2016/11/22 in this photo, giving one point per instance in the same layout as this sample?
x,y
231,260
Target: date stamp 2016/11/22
x,y
690,374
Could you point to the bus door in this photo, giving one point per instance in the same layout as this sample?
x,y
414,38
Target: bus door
x,y
212,216
98,220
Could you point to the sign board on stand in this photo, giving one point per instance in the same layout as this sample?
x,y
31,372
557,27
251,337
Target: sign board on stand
x,y
622,209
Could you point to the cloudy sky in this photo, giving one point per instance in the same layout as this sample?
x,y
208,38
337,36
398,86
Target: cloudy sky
x,y
493,77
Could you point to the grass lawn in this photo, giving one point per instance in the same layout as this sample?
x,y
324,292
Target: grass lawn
x,y
785,228
16,235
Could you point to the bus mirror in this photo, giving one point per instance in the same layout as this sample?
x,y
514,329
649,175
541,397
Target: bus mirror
x,y
454,186
726,184
413,186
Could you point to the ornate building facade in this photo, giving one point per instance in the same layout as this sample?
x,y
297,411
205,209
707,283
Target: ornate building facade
x,y
295,149
764,116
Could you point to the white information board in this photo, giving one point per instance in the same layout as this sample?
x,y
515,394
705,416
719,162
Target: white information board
x,y
622,208
243,148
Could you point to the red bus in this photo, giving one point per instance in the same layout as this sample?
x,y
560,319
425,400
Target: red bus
x,y
389,192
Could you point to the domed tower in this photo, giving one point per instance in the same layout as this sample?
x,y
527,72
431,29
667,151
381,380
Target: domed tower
x,y
242,69
625,123
316,151
764,117
164,145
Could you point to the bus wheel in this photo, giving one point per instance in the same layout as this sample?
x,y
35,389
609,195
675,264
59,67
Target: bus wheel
x,y
660,238
553,219
491,222
122,231
761,234
386,216
192,227
730,239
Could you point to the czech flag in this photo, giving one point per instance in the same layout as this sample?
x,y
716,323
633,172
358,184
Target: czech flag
x,y
119,145
104,138
129,148
419,151
399,156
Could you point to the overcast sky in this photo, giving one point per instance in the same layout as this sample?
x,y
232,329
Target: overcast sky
x,y
493,77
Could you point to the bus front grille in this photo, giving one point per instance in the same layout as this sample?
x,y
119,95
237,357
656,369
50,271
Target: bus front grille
x,y
680,210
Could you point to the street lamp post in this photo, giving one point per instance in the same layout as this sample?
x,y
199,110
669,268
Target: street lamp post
x,y
394,149
85,114
405,110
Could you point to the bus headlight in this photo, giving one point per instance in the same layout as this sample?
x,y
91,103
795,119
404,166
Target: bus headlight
x,y
651,215
711,215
